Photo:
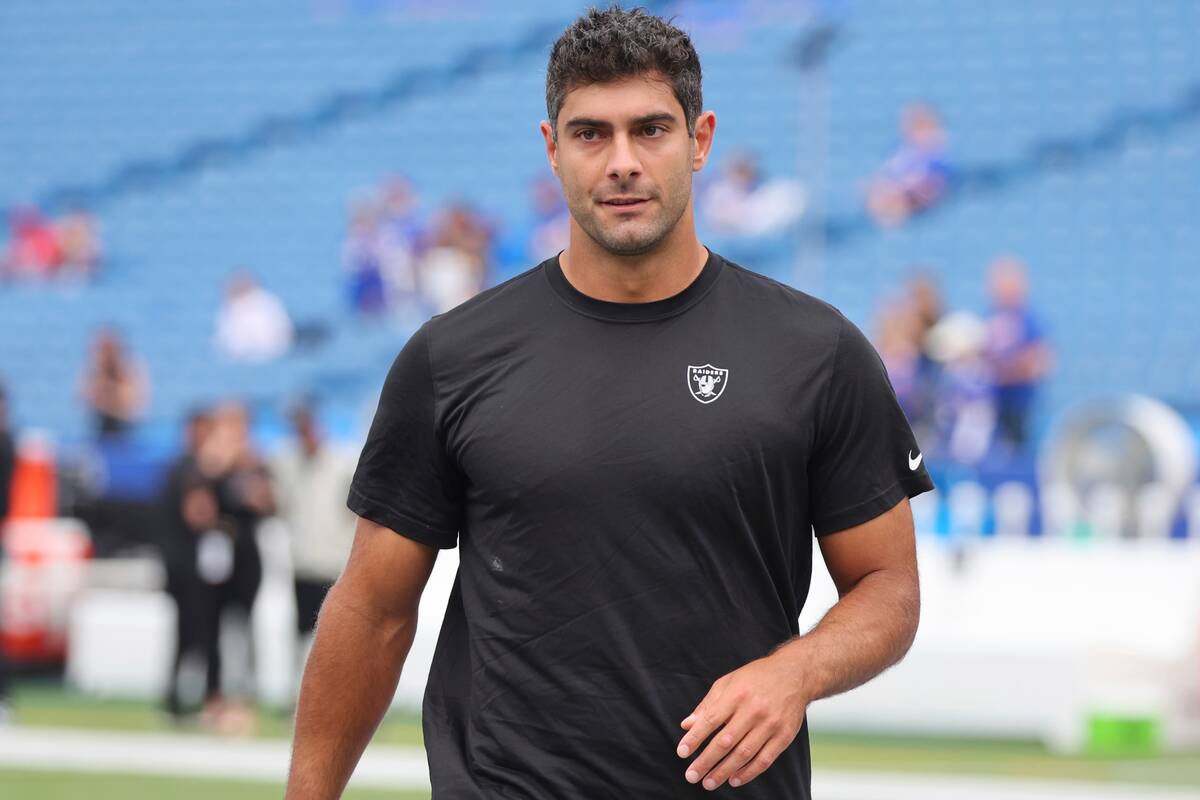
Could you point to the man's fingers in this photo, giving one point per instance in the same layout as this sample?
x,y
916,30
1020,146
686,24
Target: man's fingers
x,y
725,741
703,721
738,758
764,758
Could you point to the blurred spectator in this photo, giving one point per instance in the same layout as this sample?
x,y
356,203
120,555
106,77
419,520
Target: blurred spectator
x,y
241,488
360,260
901,338
899,344
115,385
740,202
455,266
915,177
8,461
79,243
1018,355
381,248
252,324
311,481
190,515
964,407
399,241
33,246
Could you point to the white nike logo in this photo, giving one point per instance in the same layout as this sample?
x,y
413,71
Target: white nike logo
x,y
913,463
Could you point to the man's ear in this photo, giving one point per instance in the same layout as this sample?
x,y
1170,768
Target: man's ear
x,y
706,127
551,144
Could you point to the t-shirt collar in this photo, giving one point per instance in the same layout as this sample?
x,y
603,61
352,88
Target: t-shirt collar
x,y
633,312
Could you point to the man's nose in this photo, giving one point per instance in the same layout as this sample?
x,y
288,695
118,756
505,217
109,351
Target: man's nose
x,y
623,162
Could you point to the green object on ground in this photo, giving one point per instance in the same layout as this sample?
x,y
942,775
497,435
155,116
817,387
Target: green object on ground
x,y
1109,735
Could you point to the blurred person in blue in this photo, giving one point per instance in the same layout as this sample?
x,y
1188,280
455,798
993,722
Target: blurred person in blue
x,y
311,478
916,175
360,262
115,385
634,445
379,255
1017,352
8,465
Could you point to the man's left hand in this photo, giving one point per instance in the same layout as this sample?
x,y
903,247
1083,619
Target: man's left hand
x,y
755,712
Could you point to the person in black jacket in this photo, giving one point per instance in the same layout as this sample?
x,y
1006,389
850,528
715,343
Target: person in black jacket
x,y
189,509
8,461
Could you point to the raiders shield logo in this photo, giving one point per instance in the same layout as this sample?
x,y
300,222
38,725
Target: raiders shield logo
x,y
707,383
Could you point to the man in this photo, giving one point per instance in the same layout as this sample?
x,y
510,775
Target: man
x,y
633,440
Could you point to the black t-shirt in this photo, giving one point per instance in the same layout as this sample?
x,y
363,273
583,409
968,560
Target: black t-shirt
x,y
634,488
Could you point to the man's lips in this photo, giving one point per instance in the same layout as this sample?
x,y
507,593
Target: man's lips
x,y
624,202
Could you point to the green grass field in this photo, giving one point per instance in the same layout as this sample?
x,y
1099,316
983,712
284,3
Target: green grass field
x,y
46,705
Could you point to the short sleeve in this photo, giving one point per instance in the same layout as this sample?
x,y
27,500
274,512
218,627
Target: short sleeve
x,y
404,479
866,458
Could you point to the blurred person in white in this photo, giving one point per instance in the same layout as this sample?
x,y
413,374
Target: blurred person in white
x,y
252,323
964,408
115,385
741,202
8,464
455,266
1017,353
916,175
311,478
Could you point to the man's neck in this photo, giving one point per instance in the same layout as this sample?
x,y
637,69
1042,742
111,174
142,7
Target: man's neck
x,y
661,273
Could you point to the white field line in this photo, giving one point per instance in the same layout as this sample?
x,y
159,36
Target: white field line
x,y
406,767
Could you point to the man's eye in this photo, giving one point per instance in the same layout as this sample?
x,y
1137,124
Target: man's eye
x,y
653,130
588,135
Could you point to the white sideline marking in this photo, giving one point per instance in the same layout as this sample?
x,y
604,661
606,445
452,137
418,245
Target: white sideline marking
x,y
406,767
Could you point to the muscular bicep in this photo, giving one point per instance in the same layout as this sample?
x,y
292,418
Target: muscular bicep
x,y
386,572
886,542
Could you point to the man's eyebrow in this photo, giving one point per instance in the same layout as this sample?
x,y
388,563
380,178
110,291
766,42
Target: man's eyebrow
x,y
645,119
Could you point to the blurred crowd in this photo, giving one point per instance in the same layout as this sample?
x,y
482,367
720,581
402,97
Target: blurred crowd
x,y
215,497
398,262
966,383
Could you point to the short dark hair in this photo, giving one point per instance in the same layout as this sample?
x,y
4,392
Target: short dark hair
x,y
618,43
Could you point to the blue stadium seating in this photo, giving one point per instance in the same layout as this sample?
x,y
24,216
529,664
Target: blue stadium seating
x,y
89,89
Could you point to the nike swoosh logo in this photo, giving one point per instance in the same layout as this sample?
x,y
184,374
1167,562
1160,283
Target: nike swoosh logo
x,y
913,463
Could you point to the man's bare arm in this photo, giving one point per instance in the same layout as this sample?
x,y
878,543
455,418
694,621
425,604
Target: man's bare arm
x,y
872,626
363,636
754,712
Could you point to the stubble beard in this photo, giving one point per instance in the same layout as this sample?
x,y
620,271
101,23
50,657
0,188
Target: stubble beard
x,y
632,238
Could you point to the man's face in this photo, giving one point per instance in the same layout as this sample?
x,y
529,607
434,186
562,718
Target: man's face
x,y
625,160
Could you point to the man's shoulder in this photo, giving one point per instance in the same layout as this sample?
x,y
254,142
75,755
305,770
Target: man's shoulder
x,y
770,296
